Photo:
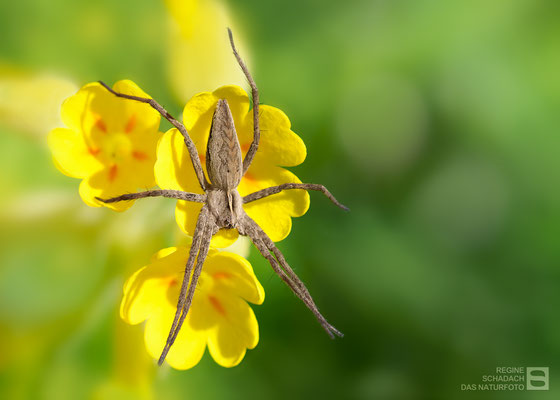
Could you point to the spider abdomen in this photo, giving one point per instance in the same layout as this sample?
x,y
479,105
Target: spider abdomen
x,y
223,153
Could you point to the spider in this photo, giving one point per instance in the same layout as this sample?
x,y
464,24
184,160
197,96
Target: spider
x,y
222,204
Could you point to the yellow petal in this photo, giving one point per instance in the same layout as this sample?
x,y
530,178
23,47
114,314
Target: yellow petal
x,y
273,213
75,109
155,301
198,112
94,111
71,154
144,156
197,117
241,247
161,254
278,144
111,182
199,53
138,118
173,168
147,291
233,274
188,348
236,331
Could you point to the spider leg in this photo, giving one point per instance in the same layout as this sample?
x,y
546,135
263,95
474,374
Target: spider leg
x,y
265,246
205,245
305,186
255,94
200,245
195,159
172,194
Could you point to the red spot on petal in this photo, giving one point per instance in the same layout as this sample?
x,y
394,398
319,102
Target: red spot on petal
x,y
93,151
140,156
130,124
113,172
169,282
249,177
221,275
100,124
217,305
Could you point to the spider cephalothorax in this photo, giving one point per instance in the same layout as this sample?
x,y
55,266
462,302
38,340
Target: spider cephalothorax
x,y
222,204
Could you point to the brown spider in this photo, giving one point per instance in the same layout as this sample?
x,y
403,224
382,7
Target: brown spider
x,y
222,204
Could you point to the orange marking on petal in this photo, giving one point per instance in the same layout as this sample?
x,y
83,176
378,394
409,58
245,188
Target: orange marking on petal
x,y
168,282
245,147
100,124
130,124
221,275
140,156
217,305
93,152
202,158
113,172
249,177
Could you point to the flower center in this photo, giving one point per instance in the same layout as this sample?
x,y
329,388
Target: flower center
x,y
117,147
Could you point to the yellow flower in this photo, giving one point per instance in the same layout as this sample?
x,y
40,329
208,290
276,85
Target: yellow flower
x,y
279,146
110,143
24,91
219,316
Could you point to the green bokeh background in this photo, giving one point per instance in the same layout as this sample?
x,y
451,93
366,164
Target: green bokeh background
x,y
436,122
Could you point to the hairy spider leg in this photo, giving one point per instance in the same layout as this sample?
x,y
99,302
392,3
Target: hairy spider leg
x,y
199,249
265,245
172,194
255,95
310,303
286,186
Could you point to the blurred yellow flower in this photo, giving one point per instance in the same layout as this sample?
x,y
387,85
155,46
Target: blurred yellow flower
x,y
199,53
23,93
110,143
279,146
219,316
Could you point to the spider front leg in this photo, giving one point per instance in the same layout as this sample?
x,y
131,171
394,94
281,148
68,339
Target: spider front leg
x,y
199,250
265,246
285,186
172,194
255,94
195,159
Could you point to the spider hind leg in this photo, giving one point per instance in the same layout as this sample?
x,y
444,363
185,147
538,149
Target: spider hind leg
x,y
279,264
